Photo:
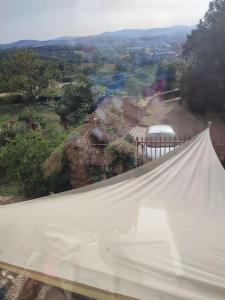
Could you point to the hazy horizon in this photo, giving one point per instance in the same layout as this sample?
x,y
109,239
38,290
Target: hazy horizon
x,y
50,19
80,36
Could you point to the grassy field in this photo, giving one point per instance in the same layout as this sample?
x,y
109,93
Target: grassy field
x,y
11,113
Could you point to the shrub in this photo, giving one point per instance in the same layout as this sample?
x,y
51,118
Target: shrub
x,y
129,138
9,131
60,181
13,99
28,115
95,173
120,155
21,161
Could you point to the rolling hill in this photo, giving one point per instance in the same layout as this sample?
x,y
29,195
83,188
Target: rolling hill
x,y
179,32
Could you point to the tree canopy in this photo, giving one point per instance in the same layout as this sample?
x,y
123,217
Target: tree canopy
x,y
77,101
203,81
25,72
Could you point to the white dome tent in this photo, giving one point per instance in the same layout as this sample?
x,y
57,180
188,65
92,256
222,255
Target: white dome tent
x,y
156,232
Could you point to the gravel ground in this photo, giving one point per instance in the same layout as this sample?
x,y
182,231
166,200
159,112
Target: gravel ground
x,y
15,290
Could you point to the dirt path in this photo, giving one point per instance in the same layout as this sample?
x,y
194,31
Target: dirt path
x,y
8,200
183,121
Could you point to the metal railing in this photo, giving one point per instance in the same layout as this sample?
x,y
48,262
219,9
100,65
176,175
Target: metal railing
x,y
148,149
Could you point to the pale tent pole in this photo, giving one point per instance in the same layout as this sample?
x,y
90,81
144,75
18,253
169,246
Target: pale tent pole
x,y
67,285
209,124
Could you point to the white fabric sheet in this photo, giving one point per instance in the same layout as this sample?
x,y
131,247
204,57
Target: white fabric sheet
x,y
157,232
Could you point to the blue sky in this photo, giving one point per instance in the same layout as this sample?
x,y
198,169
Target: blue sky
x,y
47,19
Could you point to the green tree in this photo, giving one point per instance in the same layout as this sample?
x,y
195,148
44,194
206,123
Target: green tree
x,y
26,73
203,81
171,76
77,102
22,159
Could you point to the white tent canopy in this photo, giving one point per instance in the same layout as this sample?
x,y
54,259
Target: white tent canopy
x,y
157,232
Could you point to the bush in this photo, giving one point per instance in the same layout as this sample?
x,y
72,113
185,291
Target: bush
x,y
57,171
66,79
9,131
14,99
28,115
120,155
22,159
95,173
129,138
60,181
